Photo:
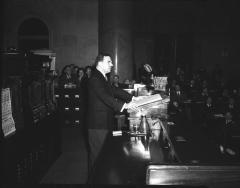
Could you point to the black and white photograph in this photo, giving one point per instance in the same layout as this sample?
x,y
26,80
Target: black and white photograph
x,y
120,93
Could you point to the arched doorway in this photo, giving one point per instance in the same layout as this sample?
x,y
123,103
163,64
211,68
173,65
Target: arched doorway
x,y
33,34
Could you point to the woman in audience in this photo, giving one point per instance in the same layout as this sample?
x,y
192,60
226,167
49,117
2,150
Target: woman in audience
x,y
88,71
80,77
74,72
66,77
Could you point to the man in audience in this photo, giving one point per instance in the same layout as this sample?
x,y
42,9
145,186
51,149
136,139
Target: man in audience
x,y
204,94
191,89
229,131
116,82
231,106
177,95
176,113
208,112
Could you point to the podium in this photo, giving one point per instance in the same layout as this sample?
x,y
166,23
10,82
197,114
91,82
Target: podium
x,y
154,107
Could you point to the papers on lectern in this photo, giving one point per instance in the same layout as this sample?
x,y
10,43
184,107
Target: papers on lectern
x,y
147,100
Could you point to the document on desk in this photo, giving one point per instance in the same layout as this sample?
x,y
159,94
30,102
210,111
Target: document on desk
x,y
117,133
147,100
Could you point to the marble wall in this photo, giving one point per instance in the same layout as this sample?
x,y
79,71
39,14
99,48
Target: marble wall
x,y
115,35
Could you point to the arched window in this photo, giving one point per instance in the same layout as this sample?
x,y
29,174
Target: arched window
x,y
33,34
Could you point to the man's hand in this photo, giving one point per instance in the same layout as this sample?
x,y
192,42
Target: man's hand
x,y
131,105
138,98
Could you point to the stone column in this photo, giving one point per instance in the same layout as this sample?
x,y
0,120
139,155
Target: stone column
x,y
115,35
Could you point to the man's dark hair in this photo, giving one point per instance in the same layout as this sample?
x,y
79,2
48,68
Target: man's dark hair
x,y
88,67
64,68
100,57
80,69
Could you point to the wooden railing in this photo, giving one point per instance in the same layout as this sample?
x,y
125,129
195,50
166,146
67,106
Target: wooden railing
x,y
210,176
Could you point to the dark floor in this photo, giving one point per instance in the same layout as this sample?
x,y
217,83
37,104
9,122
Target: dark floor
x,y
71,166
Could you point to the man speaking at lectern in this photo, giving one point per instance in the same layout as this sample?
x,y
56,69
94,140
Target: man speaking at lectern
x,y
101,106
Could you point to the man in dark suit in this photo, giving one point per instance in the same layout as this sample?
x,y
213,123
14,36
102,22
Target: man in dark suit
x,y
101,106
207,112
232,107
176,113
178,95
228,132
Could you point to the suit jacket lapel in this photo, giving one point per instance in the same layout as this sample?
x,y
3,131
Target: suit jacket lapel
x,y
106,83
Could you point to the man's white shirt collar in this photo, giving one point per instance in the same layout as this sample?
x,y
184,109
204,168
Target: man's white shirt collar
x,y
104,75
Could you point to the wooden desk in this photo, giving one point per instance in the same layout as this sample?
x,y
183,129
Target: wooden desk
x,y
124,159
194,175
130,160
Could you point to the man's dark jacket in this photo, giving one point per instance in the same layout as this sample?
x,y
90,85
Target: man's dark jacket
x,y
102,102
